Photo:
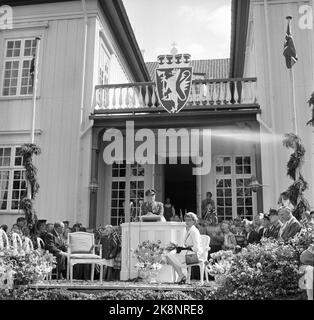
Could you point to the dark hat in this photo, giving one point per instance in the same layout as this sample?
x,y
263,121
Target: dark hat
x,y
67,222
266,216
272,212
150,192
41,221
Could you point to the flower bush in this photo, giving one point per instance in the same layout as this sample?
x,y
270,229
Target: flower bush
x,y
24,267
220,262
61,294
149,255
261,271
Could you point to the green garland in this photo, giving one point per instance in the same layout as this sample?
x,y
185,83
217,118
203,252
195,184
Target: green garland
x,y
295,191
311,105
27,151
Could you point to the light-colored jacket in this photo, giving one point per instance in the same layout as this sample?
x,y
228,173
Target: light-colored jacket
x,y
193,239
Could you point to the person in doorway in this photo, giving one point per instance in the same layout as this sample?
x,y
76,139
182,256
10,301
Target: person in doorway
x,y
208,204
151,206
169,210
209,210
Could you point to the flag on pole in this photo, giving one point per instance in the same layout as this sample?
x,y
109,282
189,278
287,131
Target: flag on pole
x,y
32,69
289,50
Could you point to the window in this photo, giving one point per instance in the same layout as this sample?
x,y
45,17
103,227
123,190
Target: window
x,y
12,180
127,186
17,62
233,196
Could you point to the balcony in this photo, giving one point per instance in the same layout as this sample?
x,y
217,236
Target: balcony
x,y
213,94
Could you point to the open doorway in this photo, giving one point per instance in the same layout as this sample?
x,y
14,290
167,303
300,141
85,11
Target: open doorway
x,y
180,187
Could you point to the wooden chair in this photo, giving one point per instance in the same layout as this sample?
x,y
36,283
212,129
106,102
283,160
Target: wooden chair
x,y
81,250
201,264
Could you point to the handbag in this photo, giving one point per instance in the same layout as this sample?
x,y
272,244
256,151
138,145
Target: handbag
x,y
191,258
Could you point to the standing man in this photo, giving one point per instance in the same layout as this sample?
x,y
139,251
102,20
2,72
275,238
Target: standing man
x,y
151,206
275,224
291,226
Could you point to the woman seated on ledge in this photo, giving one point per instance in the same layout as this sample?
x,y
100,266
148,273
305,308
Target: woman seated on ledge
x,y
192,244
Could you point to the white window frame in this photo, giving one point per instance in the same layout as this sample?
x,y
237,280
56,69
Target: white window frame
x,y
11,168
127,179
233,176
21,59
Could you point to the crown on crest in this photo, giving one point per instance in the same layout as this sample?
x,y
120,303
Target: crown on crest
x,y
174,60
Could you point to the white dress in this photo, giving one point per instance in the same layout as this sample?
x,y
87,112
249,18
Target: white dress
x,y
192,239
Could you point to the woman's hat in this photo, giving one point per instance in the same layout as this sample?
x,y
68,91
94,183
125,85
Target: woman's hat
x,y
150,192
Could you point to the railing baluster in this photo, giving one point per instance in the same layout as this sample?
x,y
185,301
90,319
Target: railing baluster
x,y
134,97
227,93
214,93
207,93
106,97
146,97
120,96
220,94
236,95
154,99
127,98
114,98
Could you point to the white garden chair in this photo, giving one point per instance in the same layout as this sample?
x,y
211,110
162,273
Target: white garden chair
x,y
81,250
28,245
201,264
4,240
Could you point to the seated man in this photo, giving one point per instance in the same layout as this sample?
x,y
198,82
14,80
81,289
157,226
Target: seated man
x,y
291,226
56,245
275,224
252,235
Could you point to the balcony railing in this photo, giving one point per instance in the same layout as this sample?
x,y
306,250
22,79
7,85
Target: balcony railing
x,y
142,97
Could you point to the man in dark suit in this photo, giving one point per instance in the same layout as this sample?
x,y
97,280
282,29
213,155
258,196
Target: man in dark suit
x,y
275,224
252,235
291,226
56,245
265,226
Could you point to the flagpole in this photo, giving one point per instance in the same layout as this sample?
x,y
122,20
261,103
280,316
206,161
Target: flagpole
x,y
291,73
294,111
35,90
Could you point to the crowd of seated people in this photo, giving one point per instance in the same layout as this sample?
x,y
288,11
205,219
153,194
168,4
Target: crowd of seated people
x,y
232,234
55,238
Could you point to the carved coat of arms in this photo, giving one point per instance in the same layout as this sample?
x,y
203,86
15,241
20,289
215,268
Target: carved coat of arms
x,y
173,81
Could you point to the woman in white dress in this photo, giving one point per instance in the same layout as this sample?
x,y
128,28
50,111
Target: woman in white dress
x,y
192,244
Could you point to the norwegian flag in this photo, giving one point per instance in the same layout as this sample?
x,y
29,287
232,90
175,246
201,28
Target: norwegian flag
x,y
289,49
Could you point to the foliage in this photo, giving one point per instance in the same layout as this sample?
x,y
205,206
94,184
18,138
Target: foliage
x,y
220,262
311,105
60,294
25,267
149,255
27,151
295,191
261,271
